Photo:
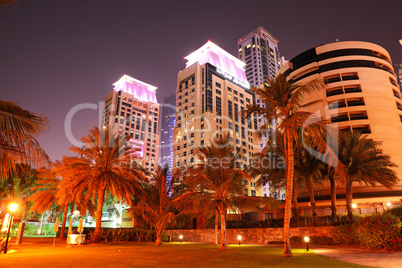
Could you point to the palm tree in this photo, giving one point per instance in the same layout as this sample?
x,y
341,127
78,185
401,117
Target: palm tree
x,y
219,182
15,187
54,191
283,103
155,207
365,162
103,166
308,170
17,143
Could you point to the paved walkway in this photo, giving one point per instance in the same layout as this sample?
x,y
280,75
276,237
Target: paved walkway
x,y
362,256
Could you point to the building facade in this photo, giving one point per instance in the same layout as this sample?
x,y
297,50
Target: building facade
x,y
168,121
132,108
212,91
361,94
259,50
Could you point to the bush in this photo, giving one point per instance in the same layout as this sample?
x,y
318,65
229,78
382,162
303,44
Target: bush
x,y
379,232
30,229
344,235
48,229
373,232
396,212
124,235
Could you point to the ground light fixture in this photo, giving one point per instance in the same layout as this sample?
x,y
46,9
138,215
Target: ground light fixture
x,y
239,238
388,204
12,208
354,206
306,239
181,238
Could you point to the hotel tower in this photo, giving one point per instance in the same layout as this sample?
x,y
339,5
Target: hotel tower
x,y
361,94
131,108
259,50
212,91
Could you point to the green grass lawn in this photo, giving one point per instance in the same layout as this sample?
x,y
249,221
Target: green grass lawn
x,y
169,255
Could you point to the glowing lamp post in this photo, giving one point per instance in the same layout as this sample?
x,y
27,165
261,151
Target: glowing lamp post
x,y
306,239
12,208
239,238
181,238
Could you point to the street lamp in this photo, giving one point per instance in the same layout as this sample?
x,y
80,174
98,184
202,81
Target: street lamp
x,y
306,239
12,208
181,238
239,238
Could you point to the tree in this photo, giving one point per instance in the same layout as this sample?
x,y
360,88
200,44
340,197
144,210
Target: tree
x,y
103,166
54,191
283,104
15,187
365,162
155,207
17,142
219,181
308,170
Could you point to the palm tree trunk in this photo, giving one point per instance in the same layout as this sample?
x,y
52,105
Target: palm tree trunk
x,y
295,206
349,199
333,198
216,227
289,189
158,237
224,244
312,198
40,223
63,225
101,198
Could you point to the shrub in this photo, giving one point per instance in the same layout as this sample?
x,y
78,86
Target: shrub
x,y
30,229
373,232
48,229
344,235
124,235
379,232
396,212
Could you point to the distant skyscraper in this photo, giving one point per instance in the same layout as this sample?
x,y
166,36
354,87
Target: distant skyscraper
x,y
259,50
168,121
131,108
211,94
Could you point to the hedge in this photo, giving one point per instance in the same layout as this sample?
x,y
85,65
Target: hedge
x,y
377,232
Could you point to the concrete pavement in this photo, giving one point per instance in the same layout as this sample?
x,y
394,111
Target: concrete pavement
x,y
362,256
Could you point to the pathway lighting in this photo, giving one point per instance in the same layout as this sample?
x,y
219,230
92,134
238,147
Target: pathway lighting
x,y
306,239
181,238
12,208
239,238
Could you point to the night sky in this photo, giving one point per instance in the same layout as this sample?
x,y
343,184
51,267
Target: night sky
x,y
55,55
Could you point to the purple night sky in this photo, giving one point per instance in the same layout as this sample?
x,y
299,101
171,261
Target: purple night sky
x,y
55,55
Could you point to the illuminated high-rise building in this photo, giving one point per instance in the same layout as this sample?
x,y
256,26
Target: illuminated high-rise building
x,y
168,121
212,91
259,50
361,94
132,108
